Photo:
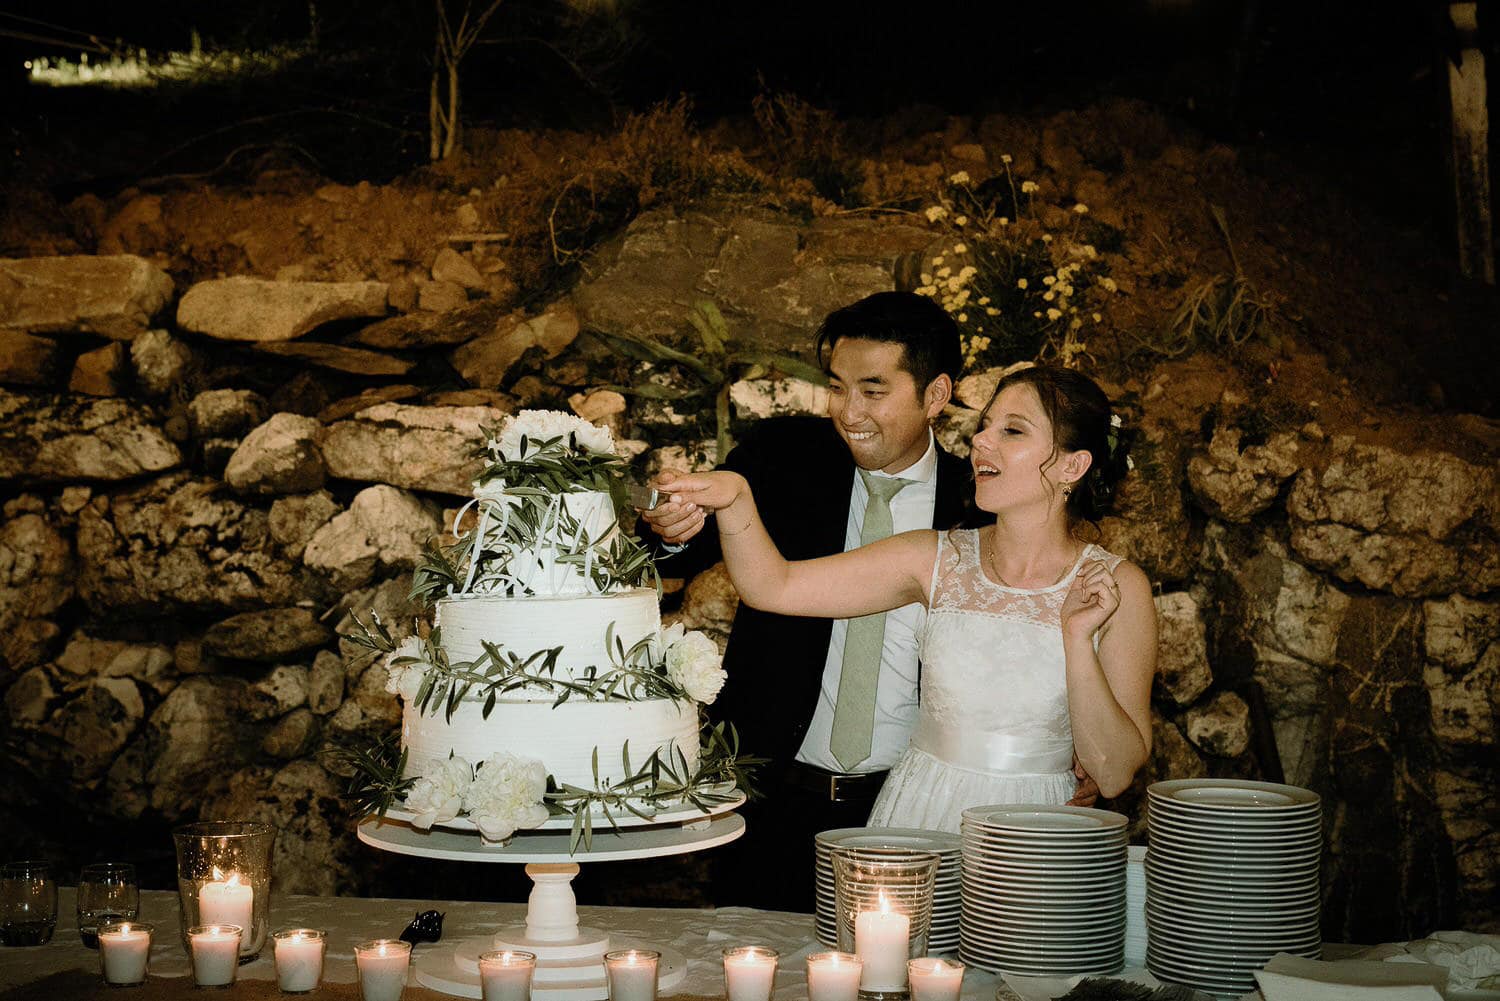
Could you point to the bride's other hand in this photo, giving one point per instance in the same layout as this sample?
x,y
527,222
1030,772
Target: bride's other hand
x,y
1087,793
1092,598
675,523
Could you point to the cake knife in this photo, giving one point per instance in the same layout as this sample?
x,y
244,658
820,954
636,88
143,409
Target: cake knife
x,y
642,498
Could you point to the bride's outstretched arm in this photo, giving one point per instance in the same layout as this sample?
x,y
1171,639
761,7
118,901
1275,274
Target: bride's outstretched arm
x,y
1109,686
874,578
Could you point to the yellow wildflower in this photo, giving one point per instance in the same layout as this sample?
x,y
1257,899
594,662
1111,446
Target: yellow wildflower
x,y
1027,187
961,220
1054,314
962,177
936,212
1081,209
944,272
1049,279
938,259
963,317
1048,295
1021,283
960,248
1098,318
1046,237
1005,158
1108,284
984,300
926,278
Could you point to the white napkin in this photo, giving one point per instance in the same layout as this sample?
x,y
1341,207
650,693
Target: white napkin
x,y
1292,978
1472,961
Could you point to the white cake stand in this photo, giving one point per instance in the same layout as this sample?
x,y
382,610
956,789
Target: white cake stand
x,y
570,959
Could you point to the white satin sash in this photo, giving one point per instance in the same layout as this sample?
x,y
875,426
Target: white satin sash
x,y
1002,754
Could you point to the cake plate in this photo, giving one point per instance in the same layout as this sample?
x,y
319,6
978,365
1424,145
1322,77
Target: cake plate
x,y
570,959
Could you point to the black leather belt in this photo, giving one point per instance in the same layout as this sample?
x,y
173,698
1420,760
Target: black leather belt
x,y
837,787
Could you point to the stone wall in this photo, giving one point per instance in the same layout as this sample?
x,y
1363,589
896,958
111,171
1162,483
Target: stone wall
x,y
201,487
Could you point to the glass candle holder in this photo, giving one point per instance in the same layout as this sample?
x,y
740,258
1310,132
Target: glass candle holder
x,y
383,964
299,959
934,979
215,951
833,976
224,878
505,975
28,903
124,952
883,898
632,974
107,893
749,973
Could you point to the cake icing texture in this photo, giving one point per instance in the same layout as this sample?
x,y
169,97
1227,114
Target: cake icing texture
x,y
546,684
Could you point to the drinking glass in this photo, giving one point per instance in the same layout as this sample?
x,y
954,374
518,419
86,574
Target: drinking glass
x,y
107,891
28,903
224,878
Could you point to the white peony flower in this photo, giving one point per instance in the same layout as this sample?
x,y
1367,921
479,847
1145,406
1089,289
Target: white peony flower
x,y
438,796
694,664
544,425
405,680
506,795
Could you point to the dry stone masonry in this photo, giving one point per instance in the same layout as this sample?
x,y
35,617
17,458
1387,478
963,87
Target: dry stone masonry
x,y
201,490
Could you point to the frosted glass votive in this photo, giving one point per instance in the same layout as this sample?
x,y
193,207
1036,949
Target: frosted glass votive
x,y
833,976
215,953
935,979
505,975
299,959
124,949
749,972
382,964
632,974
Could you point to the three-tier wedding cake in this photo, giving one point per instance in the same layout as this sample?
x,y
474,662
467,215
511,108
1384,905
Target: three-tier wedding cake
x,y
546,683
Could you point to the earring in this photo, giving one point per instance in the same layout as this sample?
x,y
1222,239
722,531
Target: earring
x,y
1067,490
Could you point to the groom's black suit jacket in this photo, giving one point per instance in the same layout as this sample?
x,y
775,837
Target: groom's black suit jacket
x,y
801,473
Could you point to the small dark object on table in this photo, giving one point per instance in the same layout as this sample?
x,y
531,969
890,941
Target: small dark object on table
x,y
427,926
1107,989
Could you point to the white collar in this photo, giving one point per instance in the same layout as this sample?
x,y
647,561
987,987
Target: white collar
x,y
924,470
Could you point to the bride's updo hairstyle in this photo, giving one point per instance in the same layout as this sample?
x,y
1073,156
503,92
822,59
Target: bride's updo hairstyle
x,y
1081,421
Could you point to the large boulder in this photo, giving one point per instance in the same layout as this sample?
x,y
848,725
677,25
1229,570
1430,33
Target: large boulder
x,y
162,362
56,439
87,657
1149,521
226,413
92,727
198,737
269,635
1414,524
37,577
420,448
487,360
181,542
255,309
303,802
1235,481
384,529
115,296
1182,661
26,360
356,361
279,457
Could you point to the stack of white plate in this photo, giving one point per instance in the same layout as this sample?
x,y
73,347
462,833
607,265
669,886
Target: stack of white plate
x,y
943,935
1043,890
1135,906
1231,879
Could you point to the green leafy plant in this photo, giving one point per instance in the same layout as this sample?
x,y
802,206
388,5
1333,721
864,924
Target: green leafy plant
x,y
710,372
376,782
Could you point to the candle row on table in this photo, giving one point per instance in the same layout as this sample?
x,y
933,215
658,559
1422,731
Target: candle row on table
x,y
125,947
838,976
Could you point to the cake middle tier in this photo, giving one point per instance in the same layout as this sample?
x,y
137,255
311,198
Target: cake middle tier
x,y
523,626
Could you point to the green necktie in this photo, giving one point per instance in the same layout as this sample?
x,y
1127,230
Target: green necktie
x,y
854,712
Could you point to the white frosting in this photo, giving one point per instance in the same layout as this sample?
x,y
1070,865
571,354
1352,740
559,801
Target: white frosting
x,y
536,568
523,626
562,737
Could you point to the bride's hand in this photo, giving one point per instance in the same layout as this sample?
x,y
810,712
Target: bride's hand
x,y
711,491
1092,598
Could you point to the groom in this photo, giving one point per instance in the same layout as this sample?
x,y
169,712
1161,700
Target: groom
x,y
832,709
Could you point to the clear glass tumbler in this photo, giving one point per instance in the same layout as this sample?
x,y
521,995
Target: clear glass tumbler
x,y
884,901
224,878
107,892
28,903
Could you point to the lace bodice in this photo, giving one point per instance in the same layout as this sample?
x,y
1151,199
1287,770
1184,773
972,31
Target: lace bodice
x,y
992,656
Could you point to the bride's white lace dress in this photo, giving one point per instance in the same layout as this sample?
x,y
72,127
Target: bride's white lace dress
x,y
993,723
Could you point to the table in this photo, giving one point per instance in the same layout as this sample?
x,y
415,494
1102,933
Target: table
x,y
699,935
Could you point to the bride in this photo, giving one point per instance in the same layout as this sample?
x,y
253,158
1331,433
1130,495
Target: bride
x,y
1038,644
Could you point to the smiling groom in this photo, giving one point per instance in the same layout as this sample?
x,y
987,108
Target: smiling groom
x,y
830,702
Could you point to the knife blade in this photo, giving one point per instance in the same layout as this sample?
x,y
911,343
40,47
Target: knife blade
x,y
642,498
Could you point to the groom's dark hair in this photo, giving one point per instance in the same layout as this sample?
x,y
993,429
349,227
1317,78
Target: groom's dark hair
x,y
927,334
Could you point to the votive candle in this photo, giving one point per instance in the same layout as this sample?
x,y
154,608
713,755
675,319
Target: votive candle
x,y
382,965
833,976
882,940
749,971
299,959
124,948
505,975
632,974
934,979
226,901
216,954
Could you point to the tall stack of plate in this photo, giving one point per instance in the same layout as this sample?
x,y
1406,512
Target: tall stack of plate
x,y
1043,890
1231,879
943,935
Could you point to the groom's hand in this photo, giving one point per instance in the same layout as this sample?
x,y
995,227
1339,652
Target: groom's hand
x,y
674,521
1087,793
